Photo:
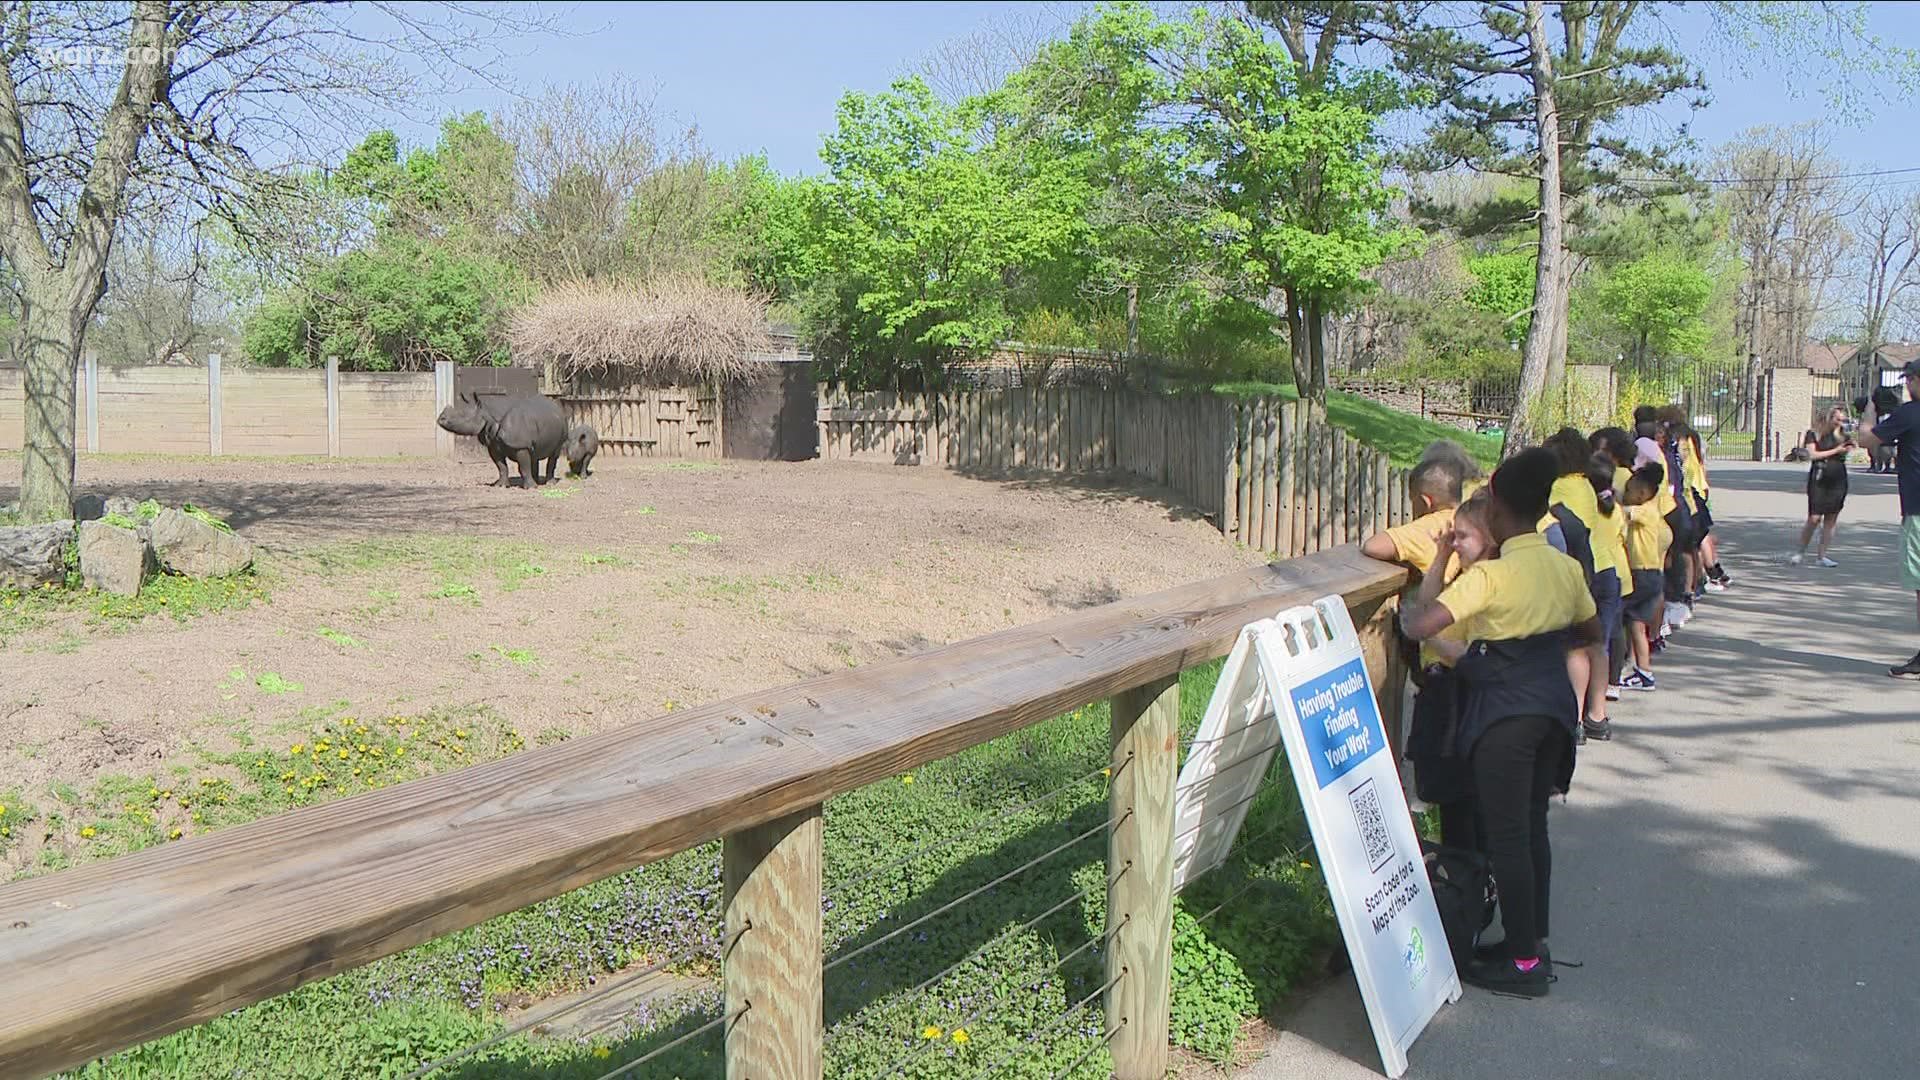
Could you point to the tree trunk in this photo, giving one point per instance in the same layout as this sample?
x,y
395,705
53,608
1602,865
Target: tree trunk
x,y
1133,320
49,349
1297,356
1316,327
1536,356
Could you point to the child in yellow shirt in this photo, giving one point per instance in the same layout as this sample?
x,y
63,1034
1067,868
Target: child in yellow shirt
x,y
1648,538
1522,613
1435,487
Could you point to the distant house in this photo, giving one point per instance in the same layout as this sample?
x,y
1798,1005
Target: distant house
x,y
1861,374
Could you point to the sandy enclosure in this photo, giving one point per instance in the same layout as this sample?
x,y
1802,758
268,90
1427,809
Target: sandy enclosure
x,y
403,587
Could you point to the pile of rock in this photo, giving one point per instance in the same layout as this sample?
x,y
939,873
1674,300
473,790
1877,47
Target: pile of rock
x,y
121,542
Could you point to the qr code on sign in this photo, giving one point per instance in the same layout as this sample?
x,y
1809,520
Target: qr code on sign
x,y
1374,834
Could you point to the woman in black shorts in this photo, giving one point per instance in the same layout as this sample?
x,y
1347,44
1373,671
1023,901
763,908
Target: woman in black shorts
x,y
1827,448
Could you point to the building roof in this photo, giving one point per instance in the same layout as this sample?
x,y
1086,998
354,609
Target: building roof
x,y
1820,356
1899,353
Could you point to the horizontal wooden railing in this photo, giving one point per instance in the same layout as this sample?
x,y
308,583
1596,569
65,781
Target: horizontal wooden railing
x,y
100,958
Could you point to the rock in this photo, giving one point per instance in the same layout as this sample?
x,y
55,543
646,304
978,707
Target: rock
x,y
186,545
33,555
89,508
112,559
124,505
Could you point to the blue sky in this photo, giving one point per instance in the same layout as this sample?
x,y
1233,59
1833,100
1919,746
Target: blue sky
x,y
764,77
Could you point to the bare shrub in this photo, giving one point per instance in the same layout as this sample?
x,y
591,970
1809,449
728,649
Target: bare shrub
x,y
671,328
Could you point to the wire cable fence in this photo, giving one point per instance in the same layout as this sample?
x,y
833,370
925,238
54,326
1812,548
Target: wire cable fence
x,y
987,956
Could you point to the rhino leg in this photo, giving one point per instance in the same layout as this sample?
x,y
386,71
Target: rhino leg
x,y
528,476
499,462
553,468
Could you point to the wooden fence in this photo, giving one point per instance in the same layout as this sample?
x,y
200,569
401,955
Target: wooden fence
x,y
227,410
1262,469
102,957
635,419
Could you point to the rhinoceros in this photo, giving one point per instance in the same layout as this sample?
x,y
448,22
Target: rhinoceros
x,y
582,443
525,429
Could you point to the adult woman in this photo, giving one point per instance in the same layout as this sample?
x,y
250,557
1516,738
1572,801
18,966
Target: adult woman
x,y
1826,484
1521,613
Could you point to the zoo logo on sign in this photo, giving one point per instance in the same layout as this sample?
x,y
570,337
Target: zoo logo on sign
x,y
1415,959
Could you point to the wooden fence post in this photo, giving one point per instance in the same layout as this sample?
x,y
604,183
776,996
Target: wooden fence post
x,y
771,967
333,406
93,400
442,397
213,403
1146,746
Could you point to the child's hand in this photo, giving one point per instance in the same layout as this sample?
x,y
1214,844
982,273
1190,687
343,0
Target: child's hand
x,y
1445,540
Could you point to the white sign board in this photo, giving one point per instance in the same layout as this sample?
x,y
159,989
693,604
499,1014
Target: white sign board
x,y
1303,673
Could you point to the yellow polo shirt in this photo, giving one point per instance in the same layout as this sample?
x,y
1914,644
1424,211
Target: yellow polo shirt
x,y
1693,471
1648,537
1413,544
1531,589
1577,495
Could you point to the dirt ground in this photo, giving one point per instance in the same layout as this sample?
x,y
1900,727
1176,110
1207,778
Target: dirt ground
x,y
648,587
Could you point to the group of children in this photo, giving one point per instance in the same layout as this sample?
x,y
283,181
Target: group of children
x,y
1540,587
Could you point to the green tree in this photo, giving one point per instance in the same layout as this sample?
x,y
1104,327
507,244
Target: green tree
x,y
920,233
1662,302
1503,286
1286,179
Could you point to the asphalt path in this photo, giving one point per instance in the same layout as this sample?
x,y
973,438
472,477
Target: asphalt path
x,y
1739,869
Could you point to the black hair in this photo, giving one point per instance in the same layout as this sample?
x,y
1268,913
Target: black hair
x,y
1645,414
1886,400
1437,478
1860,404
1600,475
1646,429
1647,478
1615,443
1523,485
1571,448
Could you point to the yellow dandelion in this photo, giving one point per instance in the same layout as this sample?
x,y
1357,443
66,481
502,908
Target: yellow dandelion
x,y
1306,866
199,818
153,793
185,805
361,747
459,733
261,764
356,772
908,779
88,833
206,781
3,809
602,1053
297,748
289,789
1106,772
288,775
457,750
345,754
931,1031
323,746
960,1036
399,751
175,834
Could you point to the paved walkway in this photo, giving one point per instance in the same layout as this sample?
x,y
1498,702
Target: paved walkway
x,y
1739,869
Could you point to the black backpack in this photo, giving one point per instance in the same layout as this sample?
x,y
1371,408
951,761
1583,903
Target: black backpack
x,y
1579,539
1463,890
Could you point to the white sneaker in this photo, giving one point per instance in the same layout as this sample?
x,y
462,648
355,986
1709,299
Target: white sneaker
x,y
1714,586
1679,616
1796,559
1613,693
1826,563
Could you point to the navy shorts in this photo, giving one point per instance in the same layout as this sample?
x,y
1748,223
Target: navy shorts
x,y
1608,605
1648,588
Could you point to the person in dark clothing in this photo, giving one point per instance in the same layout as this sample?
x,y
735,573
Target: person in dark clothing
x,y
1827,447
1899,428
1522,613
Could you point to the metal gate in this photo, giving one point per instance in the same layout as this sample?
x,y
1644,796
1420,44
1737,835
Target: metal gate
x,y
1721,401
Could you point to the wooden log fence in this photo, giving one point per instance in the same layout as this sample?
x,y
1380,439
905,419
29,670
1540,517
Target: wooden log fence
x,y
103,957
1264,470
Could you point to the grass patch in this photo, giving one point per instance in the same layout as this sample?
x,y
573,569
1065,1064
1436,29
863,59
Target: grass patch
x,y
556,493
181,598
698,537
522,657
455,590
1007,980
340,638
1401,436
272,682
